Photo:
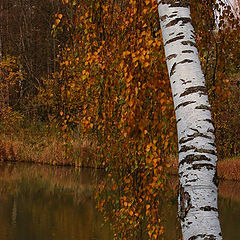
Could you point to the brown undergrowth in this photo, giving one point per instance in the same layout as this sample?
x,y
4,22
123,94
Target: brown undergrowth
x,y
82,155
48,151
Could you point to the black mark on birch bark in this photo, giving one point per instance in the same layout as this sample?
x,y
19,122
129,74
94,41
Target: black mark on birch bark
x,y
185,61
192,32
187,51
173,15
179,120
181,33
174,39
191,158
185,203
183,20
193,180
191,43
193,136
210,130
171,56
164,17
198,150
213,144
201,165
173,69
203,236
208,120
175,64
190,90
204,107
208,208
185,82
184,104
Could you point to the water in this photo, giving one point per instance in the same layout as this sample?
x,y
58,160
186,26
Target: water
x,y
46,203
40,203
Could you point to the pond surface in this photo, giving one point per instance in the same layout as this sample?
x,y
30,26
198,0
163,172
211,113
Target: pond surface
x,y
57,203
43,203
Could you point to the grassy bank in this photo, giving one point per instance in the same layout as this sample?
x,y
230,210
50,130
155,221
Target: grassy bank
x,y
52,151
39,145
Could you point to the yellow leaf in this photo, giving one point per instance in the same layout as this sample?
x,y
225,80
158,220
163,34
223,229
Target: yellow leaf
x,y
60,15
148,147
135,59
121,64
131,103
57,21
129,78
126,53
136,90
146,64
147,2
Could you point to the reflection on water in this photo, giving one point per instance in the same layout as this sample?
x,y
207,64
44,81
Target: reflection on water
x,y
46,203
42,203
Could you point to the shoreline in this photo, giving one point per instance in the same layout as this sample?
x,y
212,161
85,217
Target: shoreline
x,y
228,189
83,156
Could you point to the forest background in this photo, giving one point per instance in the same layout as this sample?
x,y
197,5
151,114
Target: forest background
x,y
85,83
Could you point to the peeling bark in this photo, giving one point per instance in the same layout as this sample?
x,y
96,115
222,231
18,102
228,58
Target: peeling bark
x,y
197,151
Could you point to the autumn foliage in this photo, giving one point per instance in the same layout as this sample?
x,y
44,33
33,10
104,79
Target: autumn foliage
x,y
110,85
113,83
10,80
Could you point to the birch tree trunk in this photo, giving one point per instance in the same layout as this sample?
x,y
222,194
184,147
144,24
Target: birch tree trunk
x,y
198,211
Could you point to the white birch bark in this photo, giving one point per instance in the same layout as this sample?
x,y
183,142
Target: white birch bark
x,y
198,211
223,5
